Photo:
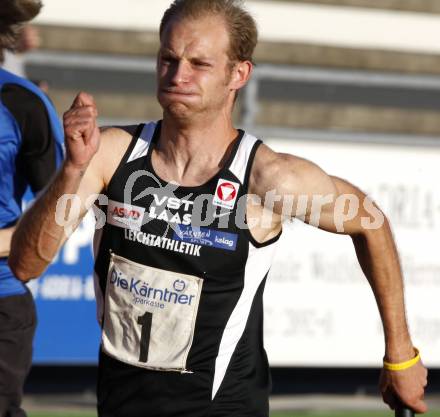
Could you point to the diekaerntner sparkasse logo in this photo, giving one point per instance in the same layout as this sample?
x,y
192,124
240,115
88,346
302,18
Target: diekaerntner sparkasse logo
x,y
226,194
179,285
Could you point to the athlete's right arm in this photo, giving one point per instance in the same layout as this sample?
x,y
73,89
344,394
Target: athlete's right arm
x,y
38,235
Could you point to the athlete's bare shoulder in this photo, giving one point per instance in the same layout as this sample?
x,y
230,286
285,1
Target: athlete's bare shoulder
x,y
286,174
271,170
114,144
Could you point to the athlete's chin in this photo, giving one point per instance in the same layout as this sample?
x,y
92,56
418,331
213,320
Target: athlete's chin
x,y
180,110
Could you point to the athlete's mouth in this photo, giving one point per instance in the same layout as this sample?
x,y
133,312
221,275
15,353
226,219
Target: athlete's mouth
x,y
177,92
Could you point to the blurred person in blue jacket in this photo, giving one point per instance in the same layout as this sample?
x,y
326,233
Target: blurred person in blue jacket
x,y
30,151
28,40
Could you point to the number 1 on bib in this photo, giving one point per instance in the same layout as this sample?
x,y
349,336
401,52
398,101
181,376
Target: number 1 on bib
x,y
145,322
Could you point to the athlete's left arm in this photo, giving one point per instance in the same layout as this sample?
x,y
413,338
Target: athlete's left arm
x,y
303,190
378,257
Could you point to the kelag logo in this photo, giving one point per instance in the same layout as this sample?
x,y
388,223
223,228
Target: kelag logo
x,y
206,237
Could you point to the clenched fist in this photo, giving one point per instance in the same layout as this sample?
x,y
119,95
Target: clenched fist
x,y
406,386
81,131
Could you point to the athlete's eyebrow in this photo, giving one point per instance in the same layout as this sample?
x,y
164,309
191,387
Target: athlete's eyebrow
x,y
167,51
202,57
201,61
196,58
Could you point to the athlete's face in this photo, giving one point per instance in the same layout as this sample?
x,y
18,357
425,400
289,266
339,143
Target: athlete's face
x,y
194,72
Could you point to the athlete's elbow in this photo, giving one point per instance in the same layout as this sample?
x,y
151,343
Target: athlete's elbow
x,y
370,220
21,271
372,229
18,272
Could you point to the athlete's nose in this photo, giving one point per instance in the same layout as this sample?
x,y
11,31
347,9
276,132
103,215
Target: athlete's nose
x,y
181,73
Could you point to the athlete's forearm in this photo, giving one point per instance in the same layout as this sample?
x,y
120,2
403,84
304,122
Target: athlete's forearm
x,y
378,257
5,241
38,236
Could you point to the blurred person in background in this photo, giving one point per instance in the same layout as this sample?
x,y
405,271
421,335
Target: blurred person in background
x,y
28,40
31,141
181,305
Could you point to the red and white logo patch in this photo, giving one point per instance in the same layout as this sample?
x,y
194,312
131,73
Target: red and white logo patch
x,y
125,215
226,194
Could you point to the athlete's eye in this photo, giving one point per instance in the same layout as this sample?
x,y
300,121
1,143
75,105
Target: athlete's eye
x,y
168,60
201,64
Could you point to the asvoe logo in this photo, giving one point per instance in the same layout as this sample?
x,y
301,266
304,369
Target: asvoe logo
x,y
226,194
125,215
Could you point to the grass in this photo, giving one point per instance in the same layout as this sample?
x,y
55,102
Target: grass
x,y
345,414
435,413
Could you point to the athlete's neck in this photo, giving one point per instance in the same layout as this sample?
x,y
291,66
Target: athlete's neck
x,y
191,154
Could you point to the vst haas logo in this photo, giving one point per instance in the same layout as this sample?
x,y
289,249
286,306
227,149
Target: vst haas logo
x,y
226,194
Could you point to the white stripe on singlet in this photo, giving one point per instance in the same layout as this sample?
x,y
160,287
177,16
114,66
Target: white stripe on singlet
x,y
257,266
98,293
239,164
143,143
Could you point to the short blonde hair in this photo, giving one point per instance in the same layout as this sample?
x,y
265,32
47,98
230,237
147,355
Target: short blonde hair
x,y
243,32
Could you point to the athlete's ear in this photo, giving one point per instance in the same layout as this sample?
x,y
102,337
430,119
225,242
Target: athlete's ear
x,y
241,73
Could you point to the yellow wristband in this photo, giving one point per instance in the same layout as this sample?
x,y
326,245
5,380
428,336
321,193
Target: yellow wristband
x,y
402,365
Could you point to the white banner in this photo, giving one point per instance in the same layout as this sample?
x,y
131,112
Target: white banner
x,y
319,308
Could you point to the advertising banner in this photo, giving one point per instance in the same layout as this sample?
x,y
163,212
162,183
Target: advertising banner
x,y
320,310
68,331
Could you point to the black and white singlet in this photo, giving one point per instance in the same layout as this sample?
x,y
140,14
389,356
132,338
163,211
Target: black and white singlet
x,y
179,282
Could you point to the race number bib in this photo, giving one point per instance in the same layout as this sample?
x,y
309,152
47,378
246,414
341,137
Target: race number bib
x,y
150,315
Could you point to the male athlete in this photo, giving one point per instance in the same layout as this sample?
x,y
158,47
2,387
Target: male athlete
x,y
179,276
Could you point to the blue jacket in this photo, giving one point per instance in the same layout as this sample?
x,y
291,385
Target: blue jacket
x,y
31,148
